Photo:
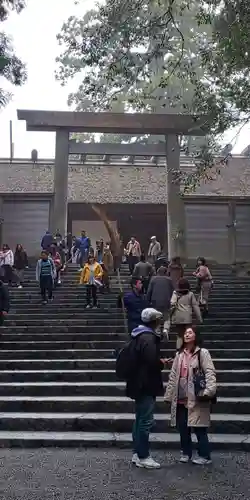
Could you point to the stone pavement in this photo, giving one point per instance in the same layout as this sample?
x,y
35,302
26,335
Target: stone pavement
x,y
93,474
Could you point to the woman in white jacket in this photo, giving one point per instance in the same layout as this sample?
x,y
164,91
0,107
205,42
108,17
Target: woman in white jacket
x,y
6,264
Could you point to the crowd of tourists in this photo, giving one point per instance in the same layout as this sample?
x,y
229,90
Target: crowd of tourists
x,y
95,264
160,298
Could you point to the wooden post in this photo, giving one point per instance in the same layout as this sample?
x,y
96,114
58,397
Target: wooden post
x,y
232,232
60,207
175,202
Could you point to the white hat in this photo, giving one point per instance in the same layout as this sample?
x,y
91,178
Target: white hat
x,y
150,314
153,238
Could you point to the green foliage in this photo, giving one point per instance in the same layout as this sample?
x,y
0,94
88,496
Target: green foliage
x,y
136,54
163,56
11,67
8,5
227,59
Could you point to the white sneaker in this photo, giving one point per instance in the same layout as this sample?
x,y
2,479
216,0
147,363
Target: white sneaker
x,y
135,458
184,459
147,463
59,282
201,461
20,286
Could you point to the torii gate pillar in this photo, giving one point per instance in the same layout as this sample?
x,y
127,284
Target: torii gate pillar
x,y
176,226
61,174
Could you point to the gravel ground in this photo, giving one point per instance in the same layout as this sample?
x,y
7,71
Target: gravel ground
x,y
93,474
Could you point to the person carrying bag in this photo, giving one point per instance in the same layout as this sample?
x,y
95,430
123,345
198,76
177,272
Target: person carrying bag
x,y
183,306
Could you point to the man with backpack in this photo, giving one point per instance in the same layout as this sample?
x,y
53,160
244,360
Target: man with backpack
x,y
139,363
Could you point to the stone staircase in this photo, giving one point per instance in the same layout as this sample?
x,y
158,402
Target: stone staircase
x,y
57,378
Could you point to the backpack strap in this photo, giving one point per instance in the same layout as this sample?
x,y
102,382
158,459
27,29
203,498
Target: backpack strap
x,y
199,360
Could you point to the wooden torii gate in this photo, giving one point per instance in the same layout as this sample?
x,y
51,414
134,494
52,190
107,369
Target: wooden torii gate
x,y
171,126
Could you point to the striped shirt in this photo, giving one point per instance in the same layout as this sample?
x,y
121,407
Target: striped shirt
x,y
45,268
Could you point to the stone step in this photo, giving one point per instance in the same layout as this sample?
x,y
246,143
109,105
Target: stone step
x,y
73,325
75,374
102,389
67,343
75,289
217,274
63,326
77,333
94,364
64,294
96,404
221,293
35,309
108,422
126,278
82,315
99,354
124,273
13,439
100,315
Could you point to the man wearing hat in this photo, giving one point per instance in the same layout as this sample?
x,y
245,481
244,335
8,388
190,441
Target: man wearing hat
x,y
145,384
154,249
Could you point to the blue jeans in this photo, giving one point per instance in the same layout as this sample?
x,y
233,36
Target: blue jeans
x,y
144,419
83,257
185,435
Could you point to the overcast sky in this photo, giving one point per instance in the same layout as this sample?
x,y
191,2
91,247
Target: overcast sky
x,y
34,32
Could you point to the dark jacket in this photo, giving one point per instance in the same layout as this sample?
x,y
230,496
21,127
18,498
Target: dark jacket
x,y
161,261
47,241
20,260
134,305
4,298
148,379
160,291
143,270
83,244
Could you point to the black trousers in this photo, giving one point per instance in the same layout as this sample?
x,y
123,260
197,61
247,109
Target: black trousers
x,y
91,293
145,283
132,261
46,286
2,318
9,275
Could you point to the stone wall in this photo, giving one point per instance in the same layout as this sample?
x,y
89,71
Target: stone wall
x,y
118,184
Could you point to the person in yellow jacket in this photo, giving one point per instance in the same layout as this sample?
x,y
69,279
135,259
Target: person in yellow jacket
x,y
91,276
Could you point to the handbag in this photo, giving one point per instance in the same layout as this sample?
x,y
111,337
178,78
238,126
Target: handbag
x,y
199,381
97,283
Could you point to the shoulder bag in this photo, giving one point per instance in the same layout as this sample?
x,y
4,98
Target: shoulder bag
x,y
199,381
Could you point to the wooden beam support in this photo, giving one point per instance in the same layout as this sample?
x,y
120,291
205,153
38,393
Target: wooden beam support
x,y
113,149
120,123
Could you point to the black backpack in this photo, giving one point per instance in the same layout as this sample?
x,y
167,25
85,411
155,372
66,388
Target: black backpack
x,y
127,360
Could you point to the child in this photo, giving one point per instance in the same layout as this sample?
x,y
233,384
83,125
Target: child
x,y
45,275
56,257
